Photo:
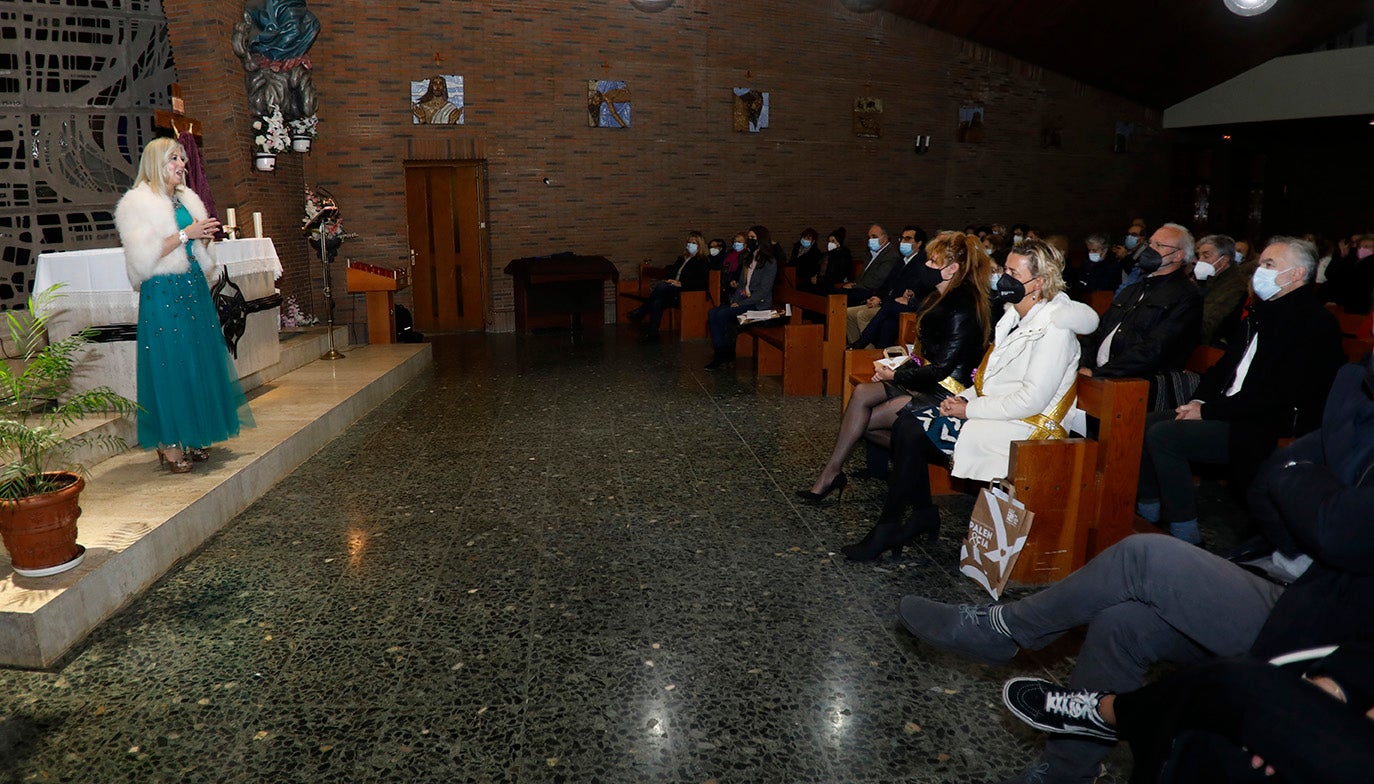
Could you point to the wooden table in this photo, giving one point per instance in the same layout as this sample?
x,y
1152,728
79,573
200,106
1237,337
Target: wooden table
x,y
564,290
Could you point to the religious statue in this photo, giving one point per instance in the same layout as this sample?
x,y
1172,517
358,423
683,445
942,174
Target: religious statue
x,y
272,42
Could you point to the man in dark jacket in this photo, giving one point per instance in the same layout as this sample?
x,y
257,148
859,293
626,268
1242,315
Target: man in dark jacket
x,y
1152,326
1153,598
875,322
882,257
1224,283
690,272
1270,383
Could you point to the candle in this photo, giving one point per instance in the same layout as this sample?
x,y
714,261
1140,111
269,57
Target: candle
x,y
257,224
233,219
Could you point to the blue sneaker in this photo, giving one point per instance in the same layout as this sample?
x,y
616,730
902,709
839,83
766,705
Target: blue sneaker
x,y
975,631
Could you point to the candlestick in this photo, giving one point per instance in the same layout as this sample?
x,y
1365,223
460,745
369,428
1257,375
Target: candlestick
x,y
233,218
257,224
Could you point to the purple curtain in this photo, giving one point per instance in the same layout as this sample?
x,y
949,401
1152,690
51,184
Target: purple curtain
x,y
195,174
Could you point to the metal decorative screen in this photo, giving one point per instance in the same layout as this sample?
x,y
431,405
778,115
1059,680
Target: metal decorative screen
x,y
79,80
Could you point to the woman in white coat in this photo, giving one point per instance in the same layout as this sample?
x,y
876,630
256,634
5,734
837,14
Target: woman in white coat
x,y
188,393
1022,391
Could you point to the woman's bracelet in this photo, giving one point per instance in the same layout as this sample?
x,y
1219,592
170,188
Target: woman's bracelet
x,y
182,236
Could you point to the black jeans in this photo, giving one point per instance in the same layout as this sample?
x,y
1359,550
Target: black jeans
x,y
1171,447
661,297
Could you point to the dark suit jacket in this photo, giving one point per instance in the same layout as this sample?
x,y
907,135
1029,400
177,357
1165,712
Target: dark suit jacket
x,y
875,273
906,275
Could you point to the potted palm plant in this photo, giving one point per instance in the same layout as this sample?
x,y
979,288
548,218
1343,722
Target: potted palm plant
x,y
40,476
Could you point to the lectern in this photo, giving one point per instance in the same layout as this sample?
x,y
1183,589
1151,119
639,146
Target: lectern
x,y
380,285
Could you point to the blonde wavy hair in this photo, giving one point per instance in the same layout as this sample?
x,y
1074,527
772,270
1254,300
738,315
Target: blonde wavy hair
x,y
1046,263
152,166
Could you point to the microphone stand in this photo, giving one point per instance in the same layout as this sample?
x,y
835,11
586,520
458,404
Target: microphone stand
x,y
332,353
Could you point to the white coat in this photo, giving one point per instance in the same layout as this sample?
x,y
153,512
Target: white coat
x,y
1034,361
145,218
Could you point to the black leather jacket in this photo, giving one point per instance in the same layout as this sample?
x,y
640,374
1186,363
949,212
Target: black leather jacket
x,y
952,343
1159,320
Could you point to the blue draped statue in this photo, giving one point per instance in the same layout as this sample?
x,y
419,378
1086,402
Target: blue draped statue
x,y
288,29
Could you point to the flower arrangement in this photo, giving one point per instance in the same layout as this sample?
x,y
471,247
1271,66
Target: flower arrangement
x,y
270,135
307,127
317,201
292,316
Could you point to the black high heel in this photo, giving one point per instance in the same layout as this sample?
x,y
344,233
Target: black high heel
x,y
886,535
837,485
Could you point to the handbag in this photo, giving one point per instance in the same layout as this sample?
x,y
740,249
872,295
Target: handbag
x,y
997,533
943,431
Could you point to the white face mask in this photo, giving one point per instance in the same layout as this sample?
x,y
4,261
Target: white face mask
x,y
1017,239
1094,257
691,249
1240,256
1202,270
715,251
1265,283
833,245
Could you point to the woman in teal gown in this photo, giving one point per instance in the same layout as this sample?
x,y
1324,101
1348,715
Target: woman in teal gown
x,y
188,390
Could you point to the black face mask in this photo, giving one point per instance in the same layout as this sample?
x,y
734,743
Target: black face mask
x,y
753,243
1009,291
928,278
1149,261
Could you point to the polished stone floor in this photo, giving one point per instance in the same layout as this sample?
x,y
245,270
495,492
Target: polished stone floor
x,y
551,559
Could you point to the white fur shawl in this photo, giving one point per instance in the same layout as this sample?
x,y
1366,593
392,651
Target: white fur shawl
x,y
145,219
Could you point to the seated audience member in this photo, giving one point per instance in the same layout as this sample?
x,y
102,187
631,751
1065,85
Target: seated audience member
x,y
806,256
688,273
1350,278
1270,383
755,292
1023,390
1224,284
1234,720
1243,254
1152,598
1018,233
953,326
875,322
882,257
1126,254
730,266
715,249
1101,273
834,268
1152,325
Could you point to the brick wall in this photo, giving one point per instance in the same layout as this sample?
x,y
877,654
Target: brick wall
x,y
632,194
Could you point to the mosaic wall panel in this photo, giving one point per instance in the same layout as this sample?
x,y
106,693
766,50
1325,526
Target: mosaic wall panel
x,y
77,93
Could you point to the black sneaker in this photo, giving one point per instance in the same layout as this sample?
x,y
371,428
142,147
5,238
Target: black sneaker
x,y
1056,710
968,629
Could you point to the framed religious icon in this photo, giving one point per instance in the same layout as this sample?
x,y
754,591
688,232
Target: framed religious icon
x,y
437,100
868,117
608,104
751,110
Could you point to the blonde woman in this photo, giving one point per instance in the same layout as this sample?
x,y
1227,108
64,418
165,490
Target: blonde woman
x,y
688,273
187,388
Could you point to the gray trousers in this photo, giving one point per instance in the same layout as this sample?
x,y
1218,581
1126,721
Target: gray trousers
x,y
1146,599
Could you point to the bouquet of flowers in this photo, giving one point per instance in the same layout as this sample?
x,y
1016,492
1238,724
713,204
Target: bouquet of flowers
x,y
305,126
269,133
292,316
317,201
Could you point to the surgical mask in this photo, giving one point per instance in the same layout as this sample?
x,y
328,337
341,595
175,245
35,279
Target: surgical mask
x,y
1240,256
906,248
1202,270
1094,257
806,244
738,246
996,276
753,243
832,246
1364,253
692,249
1132,240
715,251
1150,261
874,244
1265,283
1017,239
1009,290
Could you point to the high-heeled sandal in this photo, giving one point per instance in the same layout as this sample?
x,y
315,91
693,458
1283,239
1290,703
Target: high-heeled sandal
x,y
182,466
199,455
837,485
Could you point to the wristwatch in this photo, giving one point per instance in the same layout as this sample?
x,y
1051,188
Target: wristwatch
x,y
184,239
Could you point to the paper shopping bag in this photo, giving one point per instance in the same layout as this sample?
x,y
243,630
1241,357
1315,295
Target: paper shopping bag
x,y
996,533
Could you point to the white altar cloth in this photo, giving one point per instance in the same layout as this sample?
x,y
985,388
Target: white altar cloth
x,y
97,293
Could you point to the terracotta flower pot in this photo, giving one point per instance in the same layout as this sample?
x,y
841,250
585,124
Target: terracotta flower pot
x,y
40,531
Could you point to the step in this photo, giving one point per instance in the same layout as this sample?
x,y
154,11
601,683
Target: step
x,y
138,521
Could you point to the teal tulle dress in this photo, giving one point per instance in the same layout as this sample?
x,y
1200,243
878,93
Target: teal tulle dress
x,y
187,384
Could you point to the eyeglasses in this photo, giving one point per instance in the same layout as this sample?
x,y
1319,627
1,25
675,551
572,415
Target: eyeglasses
x,y
1161,246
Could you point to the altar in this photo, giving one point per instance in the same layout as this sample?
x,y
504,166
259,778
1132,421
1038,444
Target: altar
x,y
97,294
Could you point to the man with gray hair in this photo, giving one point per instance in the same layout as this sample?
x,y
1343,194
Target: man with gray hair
x,y
1223,283
1152,325
1101,272
1271,383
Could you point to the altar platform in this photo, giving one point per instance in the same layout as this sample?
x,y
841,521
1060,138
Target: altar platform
x,y
138,520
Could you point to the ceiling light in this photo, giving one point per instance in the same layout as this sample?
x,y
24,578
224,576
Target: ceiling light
x,y
1249,7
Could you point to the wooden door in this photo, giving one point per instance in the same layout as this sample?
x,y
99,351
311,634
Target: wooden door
x,y
447,231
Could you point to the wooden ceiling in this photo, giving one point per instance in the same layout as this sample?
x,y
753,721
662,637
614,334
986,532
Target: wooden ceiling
x,y
1155,51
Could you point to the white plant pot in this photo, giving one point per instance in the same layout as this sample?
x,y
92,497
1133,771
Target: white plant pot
x,y
301,143
264,161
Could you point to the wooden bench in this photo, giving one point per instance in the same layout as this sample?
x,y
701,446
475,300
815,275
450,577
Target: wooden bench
x,y
1100,301
802,353
688,318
